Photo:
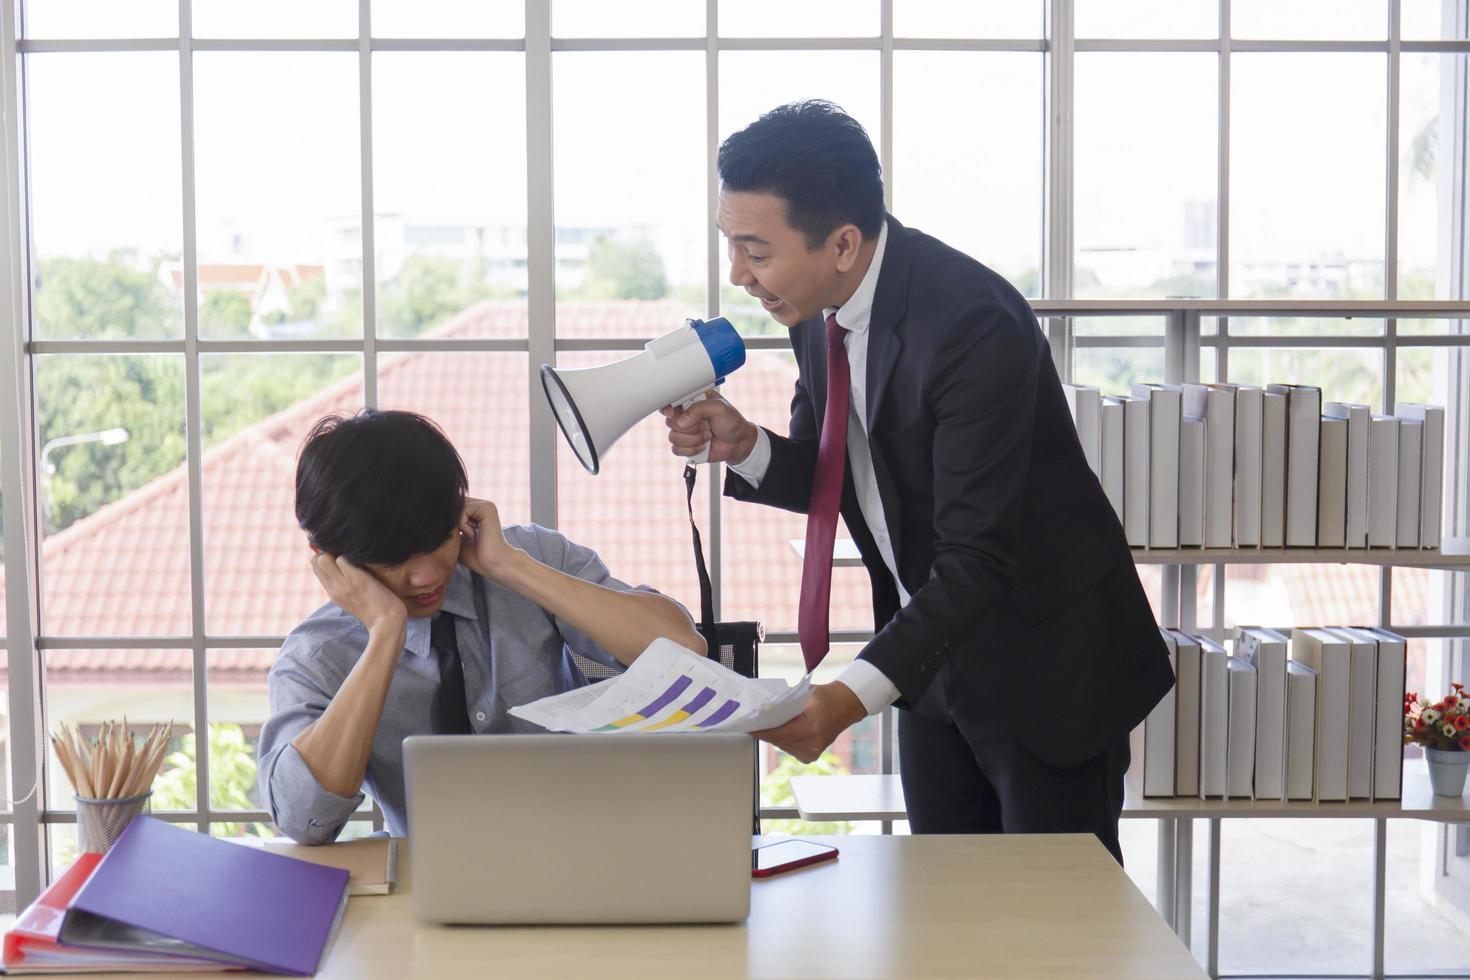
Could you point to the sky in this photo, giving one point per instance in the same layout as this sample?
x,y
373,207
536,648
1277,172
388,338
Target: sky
x,y
277,134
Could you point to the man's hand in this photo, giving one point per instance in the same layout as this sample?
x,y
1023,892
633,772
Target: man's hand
x,y
358,592
712,421
831,710
482,545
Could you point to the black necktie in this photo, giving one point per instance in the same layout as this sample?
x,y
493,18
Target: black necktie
x,y
451,717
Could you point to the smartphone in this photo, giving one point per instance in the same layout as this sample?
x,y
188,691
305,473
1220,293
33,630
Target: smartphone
x,y
770,859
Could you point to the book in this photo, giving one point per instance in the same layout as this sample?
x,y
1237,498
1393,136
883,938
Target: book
x,y
1266,650
1303,428
1431,473
1163,471
1332,473
1112,453
1214,718
1330,658
1084,402
1186,715
166,889
1388,742
32,945
1247,489
1362,710
1240,737
1356,527
1191,482
1411,461
1136,468
1215,404
1159,734
1301,729
1273,469
370,862
1383,481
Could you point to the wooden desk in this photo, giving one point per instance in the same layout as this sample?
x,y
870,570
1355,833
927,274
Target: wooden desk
x,y
1032,906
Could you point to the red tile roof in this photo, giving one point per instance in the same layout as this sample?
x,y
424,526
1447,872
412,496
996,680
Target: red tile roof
x,y
124,570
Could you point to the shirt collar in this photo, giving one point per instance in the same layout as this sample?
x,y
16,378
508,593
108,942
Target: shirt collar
x,y
855,314
459,599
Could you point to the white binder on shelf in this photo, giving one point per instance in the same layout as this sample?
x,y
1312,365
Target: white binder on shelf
x,y
1388,742
1431,472
1214,726
1240,737
1411,462
1186,715
1085,403
1216,405
1332,486
1362,710
1301,729
1248,406
1329,656
1112,430
1163,477
1136,468
1191,482
1383,481
1303,429
1273,469
1266,650
1356,527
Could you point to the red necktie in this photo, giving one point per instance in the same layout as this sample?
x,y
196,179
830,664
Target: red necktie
x,y
821,515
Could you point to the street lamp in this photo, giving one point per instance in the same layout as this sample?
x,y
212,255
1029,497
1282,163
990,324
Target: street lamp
x,y
108,437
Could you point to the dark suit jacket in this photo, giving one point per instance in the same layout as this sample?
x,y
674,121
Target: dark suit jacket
x,y
1016,565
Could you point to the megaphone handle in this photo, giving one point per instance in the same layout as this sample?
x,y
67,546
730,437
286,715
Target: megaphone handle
x,y
701,457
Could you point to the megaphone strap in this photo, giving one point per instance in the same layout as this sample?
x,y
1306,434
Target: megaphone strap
x,y
706,591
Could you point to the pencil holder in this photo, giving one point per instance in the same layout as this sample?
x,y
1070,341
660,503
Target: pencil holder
x,y
101,822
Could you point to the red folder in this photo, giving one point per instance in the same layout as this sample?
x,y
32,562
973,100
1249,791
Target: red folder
x,y
31,944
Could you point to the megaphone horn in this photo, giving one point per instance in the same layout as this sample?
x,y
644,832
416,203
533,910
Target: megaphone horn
x,y
595,406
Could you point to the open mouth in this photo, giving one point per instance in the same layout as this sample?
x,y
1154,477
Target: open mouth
x,y
771,304
428,598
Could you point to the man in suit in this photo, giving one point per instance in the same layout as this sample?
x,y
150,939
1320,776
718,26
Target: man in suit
x,y
1009,618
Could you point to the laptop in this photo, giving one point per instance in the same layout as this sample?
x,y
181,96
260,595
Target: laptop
x,y
540,829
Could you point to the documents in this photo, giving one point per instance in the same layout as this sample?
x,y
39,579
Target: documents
x,y
671,689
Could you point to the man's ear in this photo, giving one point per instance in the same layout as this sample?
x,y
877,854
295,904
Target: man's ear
x,y
846,241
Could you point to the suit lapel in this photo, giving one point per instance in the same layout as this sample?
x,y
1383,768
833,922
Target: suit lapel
x,y
890,301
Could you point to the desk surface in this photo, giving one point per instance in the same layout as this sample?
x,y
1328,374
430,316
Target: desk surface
x,y
1032,906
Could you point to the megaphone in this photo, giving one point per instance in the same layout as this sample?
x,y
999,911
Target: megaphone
x,y
595,406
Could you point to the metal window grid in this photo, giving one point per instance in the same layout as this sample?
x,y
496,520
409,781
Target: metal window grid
x,y
1181,341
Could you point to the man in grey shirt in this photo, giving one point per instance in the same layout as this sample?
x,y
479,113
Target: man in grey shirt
x,y
440,620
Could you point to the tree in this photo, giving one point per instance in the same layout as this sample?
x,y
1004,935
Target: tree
x,y
624,270
232,783
144,393
776,791
225,315
427,291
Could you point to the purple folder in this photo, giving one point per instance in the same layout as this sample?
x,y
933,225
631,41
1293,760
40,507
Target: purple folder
x,y
232,903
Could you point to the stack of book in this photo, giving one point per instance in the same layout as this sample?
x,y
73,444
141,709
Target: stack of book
x,y
1313,715
1240,466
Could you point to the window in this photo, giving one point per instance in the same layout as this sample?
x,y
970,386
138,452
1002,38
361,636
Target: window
x,y
289,210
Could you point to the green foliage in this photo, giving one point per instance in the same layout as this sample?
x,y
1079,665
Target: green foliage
x,y
231,779
623,270
91,299
776,791
428,290
144,393
225,315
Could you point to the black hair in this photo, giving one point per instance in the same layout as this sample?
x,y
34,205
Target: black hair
x,y
378,487
816,158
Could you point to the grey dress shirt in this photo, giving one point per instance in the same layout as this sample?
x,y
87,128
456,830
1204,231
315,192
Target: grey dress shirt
x,y
514,652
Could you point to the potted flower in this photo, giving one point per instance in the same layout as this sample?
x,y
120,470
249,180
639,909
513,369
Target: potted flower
x,y
1443,729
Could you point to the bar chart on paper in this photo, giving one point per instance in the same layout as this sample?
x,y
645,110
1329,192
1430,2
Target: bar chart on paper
x,y
670,689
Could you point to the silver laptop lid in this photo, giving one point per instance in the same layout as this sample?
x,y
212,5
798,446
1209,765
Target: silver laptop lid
x,y
580,828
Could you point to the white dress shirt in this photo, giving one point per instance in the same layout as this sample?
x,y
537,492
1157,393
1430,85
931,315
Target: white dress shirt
x,y
870,684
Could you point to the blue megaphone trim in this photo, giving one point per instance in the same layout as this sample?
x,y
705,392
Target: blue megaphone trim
x,y
725,348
